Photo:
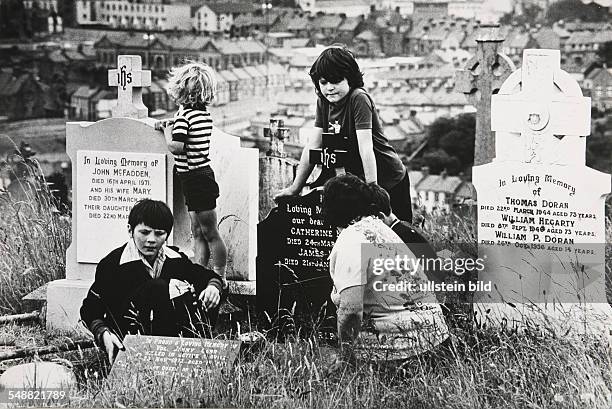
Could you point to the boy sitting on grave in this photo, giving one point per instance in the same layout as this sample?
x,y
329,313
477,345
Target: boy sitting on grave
x,y
193,87
382,313
348,109
149,288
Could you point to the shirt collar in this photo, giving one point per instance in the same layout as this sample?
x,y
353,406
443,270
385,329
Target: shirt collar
x,y
131,253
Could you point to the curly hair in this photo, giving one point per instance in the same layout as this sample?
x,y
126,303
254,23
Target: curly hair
x,y
381,198
334,64
193,84
347,198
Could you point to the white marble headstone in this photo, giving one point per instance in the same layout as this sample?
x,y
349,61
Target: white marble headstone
x,y
237,173
115,162
541,222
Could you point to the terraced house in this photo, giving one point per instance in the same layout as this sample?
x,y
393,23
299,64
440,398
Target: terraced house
x,y
160,51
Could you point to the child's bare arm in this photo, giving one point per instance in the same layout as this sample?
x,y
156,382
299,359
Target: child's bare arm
x,y
304,167
366,151
167,126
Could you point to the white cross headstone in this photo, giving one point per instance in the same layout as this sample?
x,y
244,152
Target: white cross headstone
x,y
129,78
538,111
541,220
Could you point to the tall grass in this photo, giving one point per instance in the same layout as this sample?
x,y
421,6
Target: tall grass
x,y
482,369
34,234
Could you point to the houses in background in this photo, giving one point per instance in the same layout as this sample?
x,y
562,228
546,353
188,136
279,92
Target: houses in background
x,y
89,103
439,193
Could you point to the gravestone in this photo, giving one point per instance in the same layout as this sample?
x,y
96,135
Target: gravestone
x,y
484,74
173,360
115,162
294,243
275,170
541,222
237,173
120,160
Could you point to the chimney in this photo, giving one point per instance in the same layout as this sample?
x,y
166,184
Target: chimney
x,y
444,174
425,171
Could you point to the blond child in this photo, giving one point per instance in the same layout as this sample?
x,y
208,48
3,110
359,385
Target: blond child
x,y
193,86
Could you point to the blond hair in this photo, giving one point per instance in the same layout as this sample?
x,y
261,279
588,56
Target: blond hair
x,y
193,83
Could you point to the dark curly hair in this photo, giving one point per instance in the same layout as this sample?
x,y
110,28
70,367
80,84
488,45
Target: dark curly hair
x,y
334,64
381,198
346,198
153,213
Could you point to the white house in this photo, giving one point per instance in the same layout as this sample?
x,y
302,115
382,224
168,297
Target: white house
x,y
219,17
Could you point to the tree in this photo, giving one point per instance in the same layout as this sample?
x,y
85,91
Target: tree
x,y
531,15
605,53
576,9
440,160
450,145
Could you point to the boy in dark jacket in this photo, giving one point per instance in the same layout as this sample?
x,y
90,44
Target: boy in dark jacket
x,y
149,288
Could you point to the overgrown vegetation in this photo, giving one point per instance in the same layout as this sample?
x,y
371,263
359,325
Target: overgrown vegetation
x,y
34,234
482,368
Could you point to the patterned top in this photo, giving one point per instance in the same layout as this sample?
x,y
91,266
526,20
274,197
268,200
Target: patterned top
x,y
399,320
193,127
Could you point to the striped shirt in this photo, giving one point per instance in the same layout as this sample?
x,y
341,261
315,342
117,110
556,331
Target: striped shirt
x,y
193,127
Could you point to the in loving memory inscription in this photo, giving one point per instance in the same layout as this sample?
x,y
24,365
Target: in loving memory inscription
x,y
523,215
109,183
172,357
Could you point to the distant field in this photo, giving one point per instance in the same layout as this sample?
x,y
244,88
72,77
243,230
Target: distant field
x,y
44,135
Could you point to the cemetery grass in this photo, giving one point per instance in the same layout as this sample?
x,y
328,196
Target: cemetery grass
x,y
482,368
34,235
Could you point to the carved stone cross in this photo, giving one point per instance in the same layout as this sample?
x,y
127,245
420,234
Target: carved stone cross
x,y
539,111
129,78
484,74
331,157
277,134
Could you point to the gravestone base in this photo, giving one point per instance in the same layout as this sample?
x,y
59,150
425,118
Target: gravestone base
x,y
241,287
64,300
558,319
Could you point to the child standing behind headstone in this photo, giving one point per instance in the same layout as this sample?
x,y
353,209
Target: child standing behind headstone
x,y
193,86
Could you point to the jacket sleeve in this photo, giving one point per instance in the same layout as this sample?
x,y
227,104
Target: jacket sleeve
x,y
94,307
202,277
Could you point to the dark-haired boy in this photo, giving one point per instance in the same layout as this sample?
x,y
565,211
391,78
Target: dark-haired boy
x,y
147,287
419,246
344,105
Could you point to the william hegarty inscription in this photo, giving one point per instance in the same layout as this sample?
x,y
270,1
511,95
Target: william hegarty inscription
x,y
536,207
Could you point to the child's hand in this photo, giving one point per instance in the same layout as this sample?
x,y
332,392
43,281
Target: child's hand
x,y
162,124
